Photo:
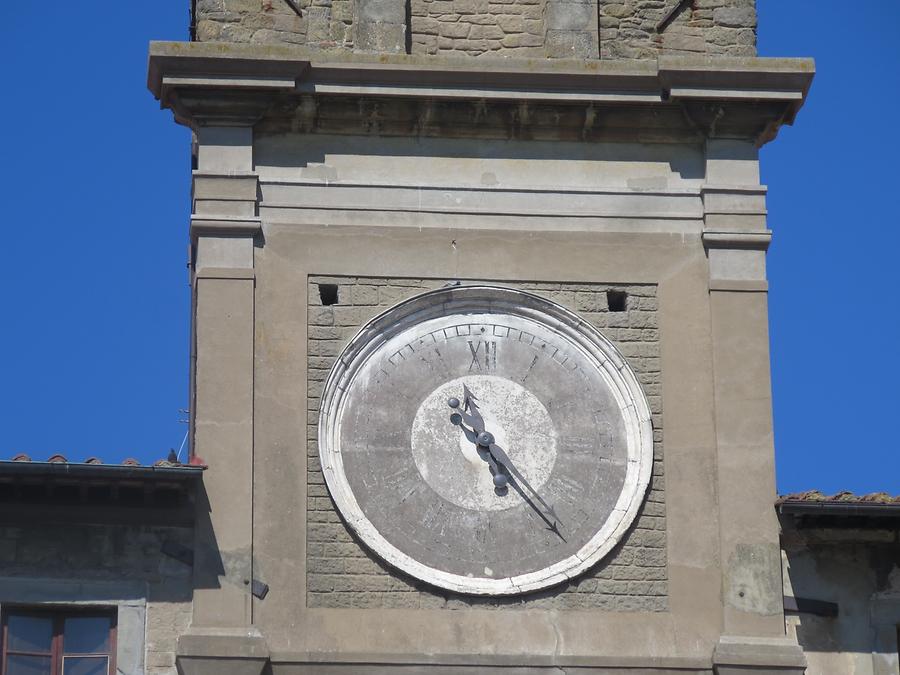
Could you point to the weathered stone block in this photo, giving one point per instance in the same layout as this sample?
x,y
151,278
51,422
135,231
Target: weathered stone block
x,y
736,17
386,11
522,41
243,6
565,44
486,33
574,16
511,24
454,30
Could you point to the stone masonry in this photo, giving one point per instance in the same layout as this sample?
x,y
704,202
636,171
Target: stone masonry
x,y
581,29
112,553
341,572
530,28
324,23
628,28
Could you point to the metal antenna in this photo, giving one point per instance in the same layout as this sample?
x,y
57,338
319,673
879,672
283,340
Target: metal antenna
x,y
183,441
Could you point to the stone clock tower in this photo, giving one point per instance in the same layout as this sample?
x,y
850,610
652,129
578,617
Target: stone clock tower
x,y
480,353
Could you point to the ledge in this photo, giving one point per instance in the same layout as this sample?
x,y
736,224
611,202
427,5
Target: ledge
x,y
221,225
219,83
234,651
755,241
772,655
476,661
224,273
739,285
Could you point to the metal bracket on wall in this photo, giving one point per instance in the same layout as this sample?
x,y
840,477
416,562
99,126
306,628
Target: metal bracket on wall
x,y
810,606
259,589
672,14
294,6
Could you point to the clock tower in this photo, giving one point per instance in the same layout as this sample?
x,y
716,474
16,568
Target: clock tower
x,y
480,354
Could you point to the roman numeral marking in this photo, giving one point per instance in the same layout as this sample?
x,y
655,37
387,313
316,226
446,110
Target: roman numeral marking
x,y
484,355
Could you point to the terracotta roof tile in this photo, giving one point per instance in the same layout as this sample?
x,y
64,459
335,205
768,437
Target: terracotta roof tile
x,y
844,497
58,458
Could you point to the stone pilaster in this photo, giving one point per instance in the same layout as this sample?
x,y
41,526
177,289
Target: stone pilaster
x,y
736,239
223,227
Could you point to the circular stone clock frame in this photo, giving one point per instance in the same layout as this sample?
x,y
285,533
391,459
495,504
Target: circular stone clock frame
x,y
593,348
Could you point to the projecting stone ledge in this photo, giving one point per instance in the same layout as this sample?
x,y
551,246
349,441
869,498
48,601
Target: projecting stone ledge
x,y
286,88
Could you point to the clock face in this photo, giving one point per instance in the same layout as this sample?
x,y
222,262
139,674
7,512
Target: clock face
x,y
485,440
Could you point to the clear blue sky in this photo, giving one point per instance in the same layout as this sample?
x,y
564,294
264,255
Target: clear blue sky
x,y
95,194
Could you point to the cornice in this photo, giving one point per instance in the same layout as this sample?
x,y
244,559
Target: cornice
x,y
336,92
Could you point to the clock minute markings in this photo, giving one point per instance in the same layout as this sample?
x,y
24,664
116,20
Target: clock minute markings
x,y
534,361
440,356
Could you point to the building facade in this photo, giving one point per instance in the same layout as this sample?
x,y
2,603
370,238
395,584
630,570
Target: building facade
x,y
841,557
479,368
362,169
96,565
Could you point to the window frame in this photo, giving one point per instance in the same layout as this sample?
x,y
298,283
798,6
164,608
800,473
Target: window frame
x,y
58,615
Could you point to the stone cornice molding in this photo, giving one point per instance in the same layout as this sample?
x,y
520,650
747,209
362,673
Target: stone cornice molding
x,y
217,83
754,241
224,226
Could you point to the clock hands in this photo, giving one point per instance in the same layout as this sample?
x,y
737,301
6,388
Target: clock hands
x,y
496,457
501,456
482,439
500,478
469,413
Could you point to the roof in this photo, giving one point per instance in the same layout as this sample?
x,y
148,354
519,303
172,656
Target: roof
x,y
57,490
814,502
93,467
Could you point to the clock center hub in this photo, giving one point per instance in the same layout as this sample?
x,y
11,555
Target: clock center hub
x,y
451,463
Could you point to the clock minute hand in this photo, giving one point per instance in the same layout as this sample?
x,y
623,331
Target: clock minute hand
x,y
501,456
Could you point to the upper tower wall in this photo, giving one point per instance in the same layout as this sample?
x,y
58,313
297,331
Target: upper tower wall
x,y
582,29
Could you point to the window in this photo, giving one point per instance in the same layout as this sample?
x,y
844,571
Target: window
x,y
59,642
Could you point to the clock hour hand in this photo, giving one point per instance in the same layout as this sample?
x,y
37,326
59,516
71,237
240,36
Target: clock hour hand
x,y
474,418
501,456
468,411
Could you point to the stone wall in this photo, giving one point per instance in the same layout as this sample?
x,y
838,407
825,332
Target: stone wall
x,y
583,29
324,23
341,572
529,28
628,28
38,560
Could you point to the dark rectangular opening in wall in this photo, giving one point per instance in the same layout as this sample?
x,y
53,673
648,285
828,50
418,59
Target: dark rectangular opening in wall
x,y
617,300
328,294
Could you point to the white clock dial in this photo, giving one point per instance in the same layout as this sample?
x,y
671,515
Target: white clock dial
x,y
485,440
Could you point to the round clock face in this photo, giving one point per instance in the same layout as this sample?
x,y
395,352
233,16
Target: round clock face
x,y
485,440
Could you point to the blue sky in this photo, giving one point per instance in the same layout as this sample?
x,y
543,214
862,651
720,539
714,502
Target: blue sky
x,y
95,193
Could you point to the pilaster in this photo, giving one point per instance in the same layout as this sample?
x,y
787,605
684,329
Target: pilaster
x,y
736,239
224,225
